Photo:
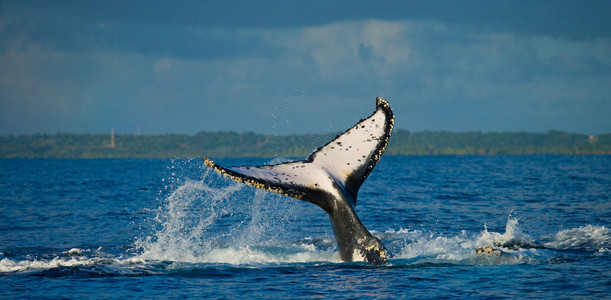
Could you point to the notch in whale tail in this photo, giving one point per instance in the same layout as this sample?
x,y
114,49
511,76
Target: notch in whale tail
x,y
330,177
346,161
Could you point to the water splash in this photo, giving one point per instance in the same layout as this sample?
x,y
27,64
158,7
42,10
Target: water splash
x,y
514,237
590,238
200,222
185,222
423,247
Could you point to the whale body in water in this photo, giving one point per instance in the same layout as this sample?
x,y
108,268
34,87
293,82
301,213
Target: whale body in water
x,y
330,177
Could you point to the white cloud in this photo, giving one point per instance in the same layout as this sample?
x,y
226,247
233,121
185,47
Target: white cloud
x,y
353,47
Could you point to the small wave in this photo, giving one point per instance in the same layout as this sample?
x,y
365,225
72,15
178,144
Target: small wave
x,y
97,260
93,262
589,238
10,266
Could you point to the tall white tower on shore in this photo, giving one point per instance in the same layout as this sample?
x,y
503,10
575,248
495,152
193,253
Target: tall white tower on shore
x,y
112,137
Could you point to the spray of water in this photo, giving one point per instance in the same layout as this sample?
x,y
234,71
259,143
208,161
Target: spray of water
x,y
421,246
181,236
204,221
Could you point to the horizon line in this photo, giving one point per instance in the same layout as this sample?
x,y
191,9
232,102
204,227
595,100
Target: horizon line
x,y
139,133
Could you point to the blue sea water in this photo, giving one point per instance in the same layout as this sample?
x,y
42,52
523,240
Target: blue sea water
x,y
175,229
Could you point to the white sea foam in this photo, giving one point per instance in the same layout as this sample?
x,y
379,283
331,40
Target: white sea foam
x,y
590,237
513,238
74,252
9,265
252,255
422,246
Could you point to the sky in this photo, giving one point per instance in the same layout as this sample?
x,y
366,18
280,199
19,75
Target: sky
x,y
297,67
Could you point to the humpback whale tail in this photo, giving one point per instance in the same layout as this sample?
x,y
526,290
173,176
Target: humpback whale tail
x,y
330,177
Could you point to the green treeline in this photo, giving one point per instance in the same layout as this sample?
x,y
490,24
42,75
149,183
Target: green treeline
x,y
512,143
231,144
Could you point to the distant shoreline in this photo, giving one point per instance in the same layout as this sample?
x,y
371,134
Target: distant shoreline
x,y
244,145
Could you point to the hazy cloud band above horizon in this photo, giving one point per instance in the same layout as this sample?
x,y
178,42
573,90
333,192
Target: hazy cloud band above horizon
x,y
303,67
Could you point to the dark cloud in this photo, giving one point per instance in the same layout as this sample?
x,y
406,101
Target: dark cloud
x,y
562,18
77,33
179,28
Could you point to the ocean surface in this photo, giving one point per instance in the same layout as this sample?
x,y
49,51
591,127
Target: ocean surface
x,y
117,229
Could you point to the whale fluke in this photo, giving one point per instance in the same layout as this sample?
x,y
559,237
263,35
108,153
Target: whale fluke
x,y
330,177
